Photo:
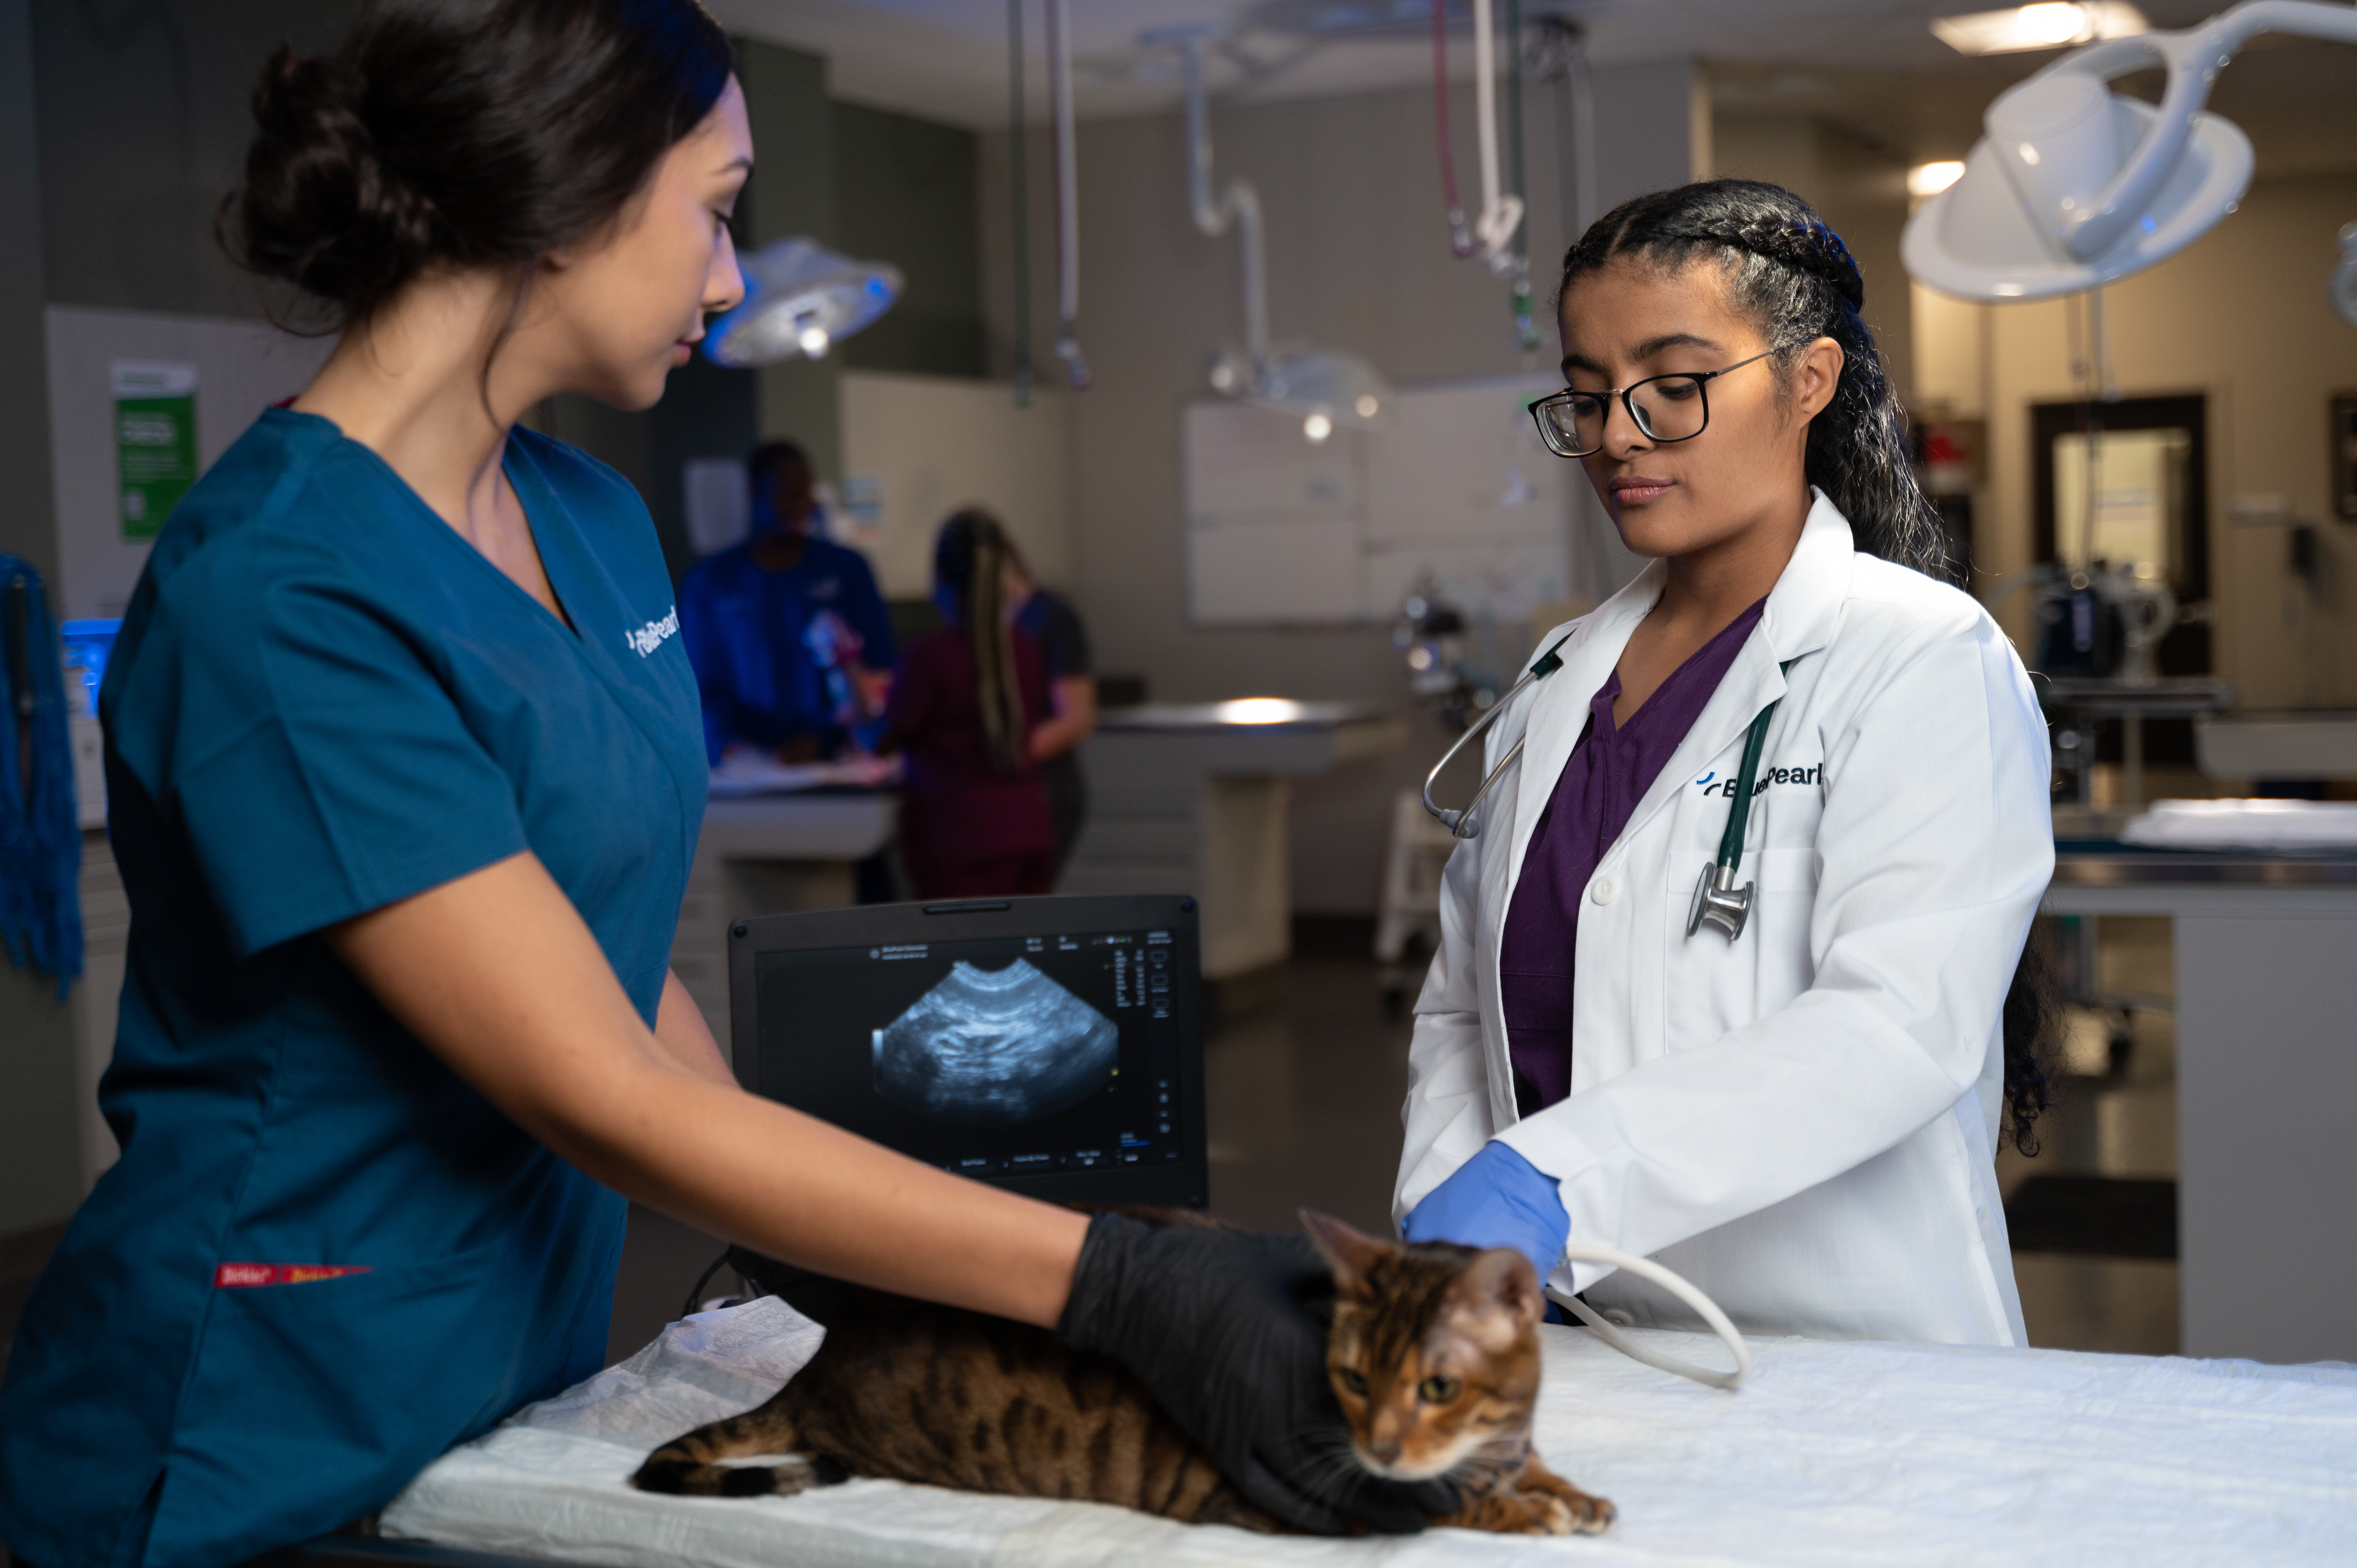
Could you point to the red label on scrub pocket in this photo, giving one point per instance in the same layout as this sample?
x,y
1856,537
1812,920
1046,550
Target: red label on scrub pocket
x,y
238,1276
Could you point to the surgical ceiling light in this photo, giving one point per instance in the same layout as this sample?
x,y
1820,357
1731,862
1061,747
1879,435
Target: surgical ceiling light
x,y
2074,185
2047,25
800,299
1326,390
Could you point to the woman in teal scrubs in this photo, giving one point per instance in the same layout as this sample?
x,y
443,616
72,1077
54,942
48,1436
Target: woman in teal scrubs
x,y
407,774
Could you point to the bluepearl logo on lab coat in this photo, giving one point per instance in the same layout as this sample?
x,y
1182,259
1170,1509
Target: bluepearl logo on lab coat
x,y
645,639
1712,784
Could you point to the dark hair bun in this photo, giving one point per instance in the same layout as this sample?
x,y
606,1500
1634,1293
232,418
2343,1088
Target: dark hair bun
x,y
319,209
469,132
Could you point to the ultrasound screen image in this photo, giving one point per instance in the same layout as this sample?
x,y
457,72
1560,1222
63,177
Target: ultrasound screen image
x,y
1001,1056
992,1048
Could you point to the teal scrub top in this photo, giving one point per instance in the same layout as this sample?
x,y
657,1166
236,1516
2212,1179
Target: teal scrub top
x,y
322,1259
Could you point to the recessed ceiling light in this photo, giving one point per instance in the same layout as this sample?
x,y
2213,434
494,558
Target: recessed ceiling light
x,y
2051,23
1931,179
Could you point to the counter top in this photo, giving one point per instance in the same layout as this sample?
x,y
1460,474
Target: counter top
x,y
819,824
2169,697
2101,865
1243,713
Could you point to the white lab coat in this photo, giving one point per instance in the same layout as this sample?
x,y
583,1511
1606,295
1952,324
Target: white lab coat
x,y
1802,1121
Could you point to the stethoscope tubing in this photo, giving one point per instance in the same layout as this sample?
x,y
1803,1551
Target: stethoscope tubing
x,y
1462,824
1717,902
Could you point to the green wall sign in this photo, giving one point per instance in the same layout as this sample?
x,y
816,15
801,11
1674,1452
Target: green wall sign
x,y
154,441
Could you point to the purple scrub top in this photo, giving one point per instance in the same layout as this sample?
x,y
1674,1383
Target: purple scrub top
x,y
1607,774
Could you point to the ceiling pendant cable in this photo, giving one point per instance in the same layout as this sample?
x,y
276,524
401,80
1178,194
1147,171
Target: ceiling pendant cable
x,y
1491,235
1460,235
1019,199
1068,197
1526,333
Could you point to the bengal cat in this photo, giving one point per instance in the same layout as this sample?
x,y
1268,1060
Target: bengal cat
x,y
1432,1353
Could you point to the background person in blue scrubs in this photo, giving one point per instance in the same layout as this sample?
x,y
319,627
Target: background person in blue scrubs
x,y
405,776
791,644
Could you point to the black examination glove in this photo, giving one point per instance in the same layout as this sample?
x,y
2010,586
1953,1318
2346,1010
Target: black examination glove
x,y
1214,1324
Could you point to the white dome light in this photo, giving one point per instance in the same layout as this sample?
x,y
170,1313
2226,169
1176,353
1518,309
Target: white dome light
x,y
2074,185
800,299
1316,427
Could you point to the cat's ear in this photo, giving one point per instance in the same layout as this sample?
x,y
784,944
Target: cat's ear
x,y
1500,1286
1351,1252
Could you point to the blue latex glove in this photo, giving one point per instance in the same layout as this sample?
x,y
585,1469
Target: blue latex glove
x,y
1496,1198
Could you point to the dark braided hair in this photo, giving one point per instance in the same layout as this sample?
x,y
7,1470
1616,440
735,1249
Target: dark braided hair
x,y
970,559
1797,282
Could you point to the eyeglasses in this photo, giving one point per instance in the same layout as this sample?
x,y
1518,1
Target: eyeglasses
x,y
1666,408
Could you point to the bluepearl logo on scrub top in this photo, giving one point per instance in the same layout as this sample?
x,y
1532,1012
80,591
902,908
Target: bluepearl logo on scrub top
x,y
645,639
1712,784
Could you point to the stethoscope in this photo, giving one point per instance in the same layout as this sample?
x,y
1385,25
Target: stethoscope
x,y
1717,901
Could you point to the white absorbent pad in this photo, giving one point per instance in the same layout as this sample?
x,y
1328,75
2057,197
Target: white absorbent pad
x,y
1836,1453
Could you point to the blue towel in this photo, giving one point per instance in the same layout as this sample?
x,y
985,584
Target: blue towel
x,y
40,831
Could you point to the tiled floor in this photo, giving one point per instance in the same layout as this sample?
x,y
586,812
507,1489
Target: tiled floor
x,y
1305,1080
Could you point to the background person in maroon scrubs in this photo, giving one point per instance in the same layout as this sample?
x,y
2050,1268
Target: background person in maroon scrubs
x,y
974,822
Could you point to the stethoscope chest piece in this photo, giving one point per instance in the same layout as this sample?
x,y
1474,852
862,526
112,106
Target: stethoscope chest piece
x,y
1719,903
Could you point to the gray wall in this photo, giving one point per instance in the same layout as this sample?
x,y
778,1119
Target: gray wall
x,y
1860,190
1358,259
40,1161
906,193
144,127
792,192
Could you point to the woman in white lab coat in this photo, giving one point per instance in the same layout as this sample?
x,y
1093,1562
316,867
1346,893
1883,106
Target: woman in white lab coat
x,y
1801,1119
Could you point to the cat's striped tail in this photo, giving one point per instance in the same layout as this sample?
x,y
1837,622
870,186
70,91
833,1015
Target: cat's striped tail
x,y
686,1465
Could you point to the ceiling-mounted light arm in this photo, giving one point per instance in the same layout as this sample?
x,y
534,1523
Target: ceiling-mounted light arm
x,y
2088,226
1238,205
1067,195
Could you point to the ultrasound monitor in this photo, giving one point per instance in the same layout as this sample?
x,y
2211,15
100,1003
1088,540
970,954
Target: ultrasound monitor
x,y
1052,1046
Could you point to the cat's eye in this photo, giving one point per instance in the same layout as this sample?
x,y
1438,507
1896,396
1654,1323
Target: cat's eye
x,y
1352,1380
1437,1390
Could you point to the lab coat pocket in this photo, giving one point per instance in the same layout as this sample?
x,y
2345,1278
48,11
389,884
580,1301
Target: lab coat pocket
x,y
1788,870
1783,905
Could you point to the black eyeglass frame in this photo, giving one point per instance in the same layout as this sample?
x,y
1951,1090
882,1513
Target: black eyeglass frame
x,y
1628,396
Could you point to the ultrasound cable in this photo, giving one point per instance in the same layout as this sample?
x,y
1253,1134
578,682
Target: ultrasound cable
x,y
1589,1252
